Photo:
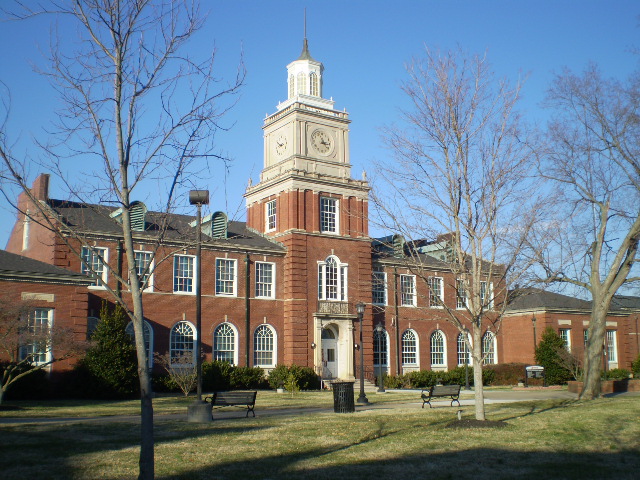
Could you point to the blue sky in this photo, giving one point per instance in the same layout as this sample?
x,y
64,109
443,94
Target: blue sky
x,y
363,45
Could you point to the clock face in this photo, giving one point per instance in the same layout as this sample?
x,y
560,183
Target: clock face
x,y
281,145
321,142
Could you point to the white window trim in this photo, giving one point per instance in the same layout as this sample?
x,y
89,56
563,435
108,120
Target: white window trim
x,y
195,266
322,295
488,291
195,341
274,356
386,294
568,339
444,350
469,353
235,277
466,294
417,353
414,302
273,281
49,351
267,228
337,216
612,346
152,264
441,293
105,271
494,346
236,338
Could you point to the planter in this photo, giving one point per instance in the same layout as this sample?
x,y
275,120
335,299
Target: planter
x,y
610,386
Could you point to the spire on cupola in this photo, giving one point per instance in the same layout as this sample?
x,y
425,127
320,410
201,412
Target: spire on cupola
x,y
304,79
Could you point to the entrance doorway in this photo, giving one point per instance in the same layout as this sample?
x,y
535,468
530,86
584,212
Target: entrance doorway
x,y
329,353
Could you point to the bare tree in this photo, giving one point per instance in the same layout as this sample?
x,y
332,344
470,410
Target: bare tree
x,y
138,112
461,165
594,159
27,342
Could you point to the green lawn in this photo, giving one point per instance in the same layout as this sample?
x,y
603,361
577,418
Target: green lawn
x,y
549,439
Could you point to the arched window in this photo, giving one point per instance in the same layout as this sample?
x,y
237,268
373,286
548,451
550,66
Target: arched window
x,y
332,280
148,339
409,348
438,352
314,84
464,355
380,356
264,347
292,86
182,344
302,84
224,343
489,348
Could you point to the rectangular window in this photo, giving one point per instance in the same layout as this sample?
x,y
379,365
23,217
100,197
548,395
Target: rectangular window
x,y
436,291
612,346
270,213
565,335
328,215
265,280
379,287
93,264
408,290
144,268
225,277
36,346
183,274
461,295
486,295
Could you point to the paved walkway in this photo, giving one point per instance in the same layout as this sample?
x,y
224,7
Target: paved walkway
x,y
491,397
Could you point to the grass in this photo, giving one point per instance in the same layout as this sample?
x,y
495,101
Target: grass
x,y
545,439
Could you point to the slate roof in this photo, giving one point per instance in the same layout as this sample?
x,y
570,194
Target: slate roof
x,y
538,299
22,269
96,219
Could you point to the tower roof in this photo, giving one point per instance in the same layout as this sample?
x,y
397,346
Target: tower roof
x,y
305,55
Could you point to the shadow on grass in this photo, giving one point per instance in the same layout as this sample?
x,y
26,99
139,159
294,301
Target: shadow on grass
x,y
481,463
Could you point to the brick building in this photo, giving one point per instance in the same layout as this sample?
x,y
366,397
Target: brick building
x,y
531,313
280,288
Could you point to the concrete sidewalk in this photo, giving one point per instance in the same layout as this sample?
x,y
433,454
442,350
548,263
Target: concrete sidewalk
x,y
491,397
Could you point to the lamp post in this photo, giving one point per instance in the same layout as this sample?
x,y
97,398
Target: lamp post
x,y
380,330
535,343
199,411
362,398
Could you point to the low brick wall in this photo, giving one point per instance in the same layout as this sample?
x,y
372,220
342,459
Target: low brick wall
x,y
610,386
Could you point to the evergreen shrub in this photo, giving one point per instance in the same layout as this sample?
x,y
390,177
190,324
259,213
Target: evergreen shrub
x,y
34,386
305,377
616,374
548,356
507,373
110,367
248,377
635,367
216,376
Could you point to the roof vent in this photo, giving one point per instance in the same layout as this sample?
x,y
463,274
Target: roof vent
x,y
137,214
214,225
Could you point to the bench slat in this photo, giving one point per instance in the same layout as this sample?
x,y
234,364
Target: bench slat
x,y
234,399
452,391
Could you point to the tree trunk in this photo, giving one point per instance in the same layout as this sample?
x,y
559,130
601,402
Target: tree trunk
x,y
477,375
593,355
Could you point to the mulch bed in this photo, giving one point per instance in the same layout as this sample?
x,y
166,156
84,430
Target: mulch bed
x,y
473,423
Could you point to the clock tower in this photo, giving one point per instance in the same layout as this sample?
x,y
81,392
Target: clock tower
x,y
307,200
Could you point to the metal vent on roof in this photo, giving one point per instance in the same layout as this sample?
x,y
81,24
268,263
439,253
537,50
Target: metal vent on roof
x,y
398,245
138,216
214,225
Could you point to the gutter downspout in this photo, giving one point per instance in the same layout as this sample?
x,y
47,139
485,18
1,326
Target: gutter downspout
x,y
247,309
397,325
119,268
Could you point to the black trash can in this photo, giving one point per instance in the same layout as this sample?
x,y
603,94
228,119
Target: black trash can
x,y
343,401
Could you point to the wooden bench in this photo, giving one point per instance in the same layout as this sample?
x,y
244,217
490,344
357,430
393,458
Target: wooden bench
x,y
451,391
233,399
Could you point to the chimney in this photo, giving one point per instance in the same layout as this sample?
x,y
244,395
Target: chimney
x,y
40,188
